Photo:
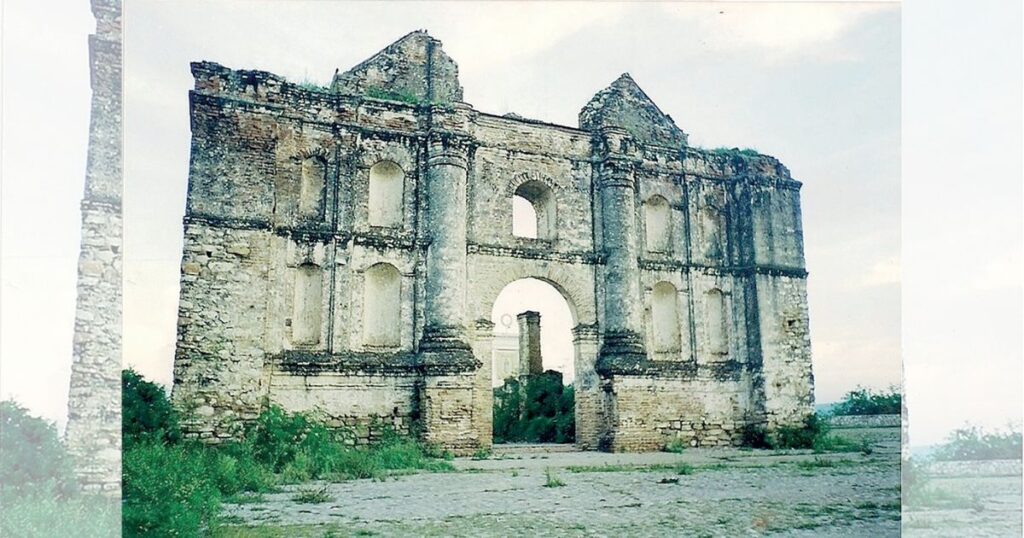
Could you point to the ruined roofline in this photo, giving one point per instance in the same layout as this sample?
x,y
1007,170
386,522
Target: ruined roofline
x,y
365,62
204,71
625,76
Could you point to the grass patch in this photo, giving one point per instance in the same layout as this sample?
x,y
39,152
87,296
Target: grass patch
x,y
824,463
551,480
173,487
312,496
683,469
400,96
675,446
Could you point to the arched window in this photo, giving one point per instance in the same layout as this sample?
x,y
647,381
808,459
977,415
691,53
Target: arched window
x,y
658,223
307,306
311,186
665,318
541,200
718,330
382,306
387,183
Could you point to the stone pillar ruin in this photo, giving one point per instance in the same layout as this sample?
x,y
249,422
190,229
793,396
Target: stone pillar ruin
x,y
530,360
93,431
623,304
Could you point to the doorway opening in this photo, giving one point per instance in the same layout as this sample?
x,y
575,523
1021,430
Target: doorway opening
x,y
532,365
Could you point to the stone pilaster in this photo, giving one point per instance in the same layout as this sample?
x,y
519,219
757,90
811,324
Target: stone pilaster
x,y
483,397
587,386
623,306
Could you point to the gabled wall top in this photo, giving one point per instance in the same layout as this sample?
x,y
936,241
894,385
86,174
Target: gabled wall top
x,y
625,105
414,68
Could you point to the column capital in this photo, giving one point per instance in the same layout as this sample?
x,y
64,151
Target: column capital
x,y
617,171
447,148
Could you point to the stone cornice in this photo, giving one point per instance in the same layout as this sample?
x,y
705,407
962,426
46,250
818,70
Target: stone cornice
x,y
528,253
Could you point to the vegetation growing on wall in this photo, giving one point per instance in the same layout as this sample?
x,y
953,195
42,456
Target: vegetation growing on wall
x,y
392,95
540,410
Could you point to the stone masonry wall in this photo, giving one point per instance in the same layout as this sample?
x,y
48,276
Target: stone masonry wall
x,y
279,235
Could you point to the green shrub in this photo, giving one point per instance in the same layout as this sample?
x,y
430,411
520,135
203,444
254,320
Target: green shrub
x,y
146,412
813,433
862,401
173,487
32,457
736,152
551,480
167,491
39,495
972,443
541,412
754,436
805,435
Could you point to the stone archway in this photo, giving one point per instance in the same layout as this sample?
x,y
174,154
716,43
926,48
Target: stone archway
x,y
489,275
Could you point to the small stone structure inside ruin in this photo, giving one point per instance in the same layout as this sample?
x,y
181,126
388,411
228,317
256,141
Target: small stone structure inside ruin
x,y
344,247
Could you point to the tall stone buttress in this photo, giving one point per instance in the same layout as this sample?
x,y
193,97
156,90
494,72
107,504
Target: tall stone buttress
x,y
93,432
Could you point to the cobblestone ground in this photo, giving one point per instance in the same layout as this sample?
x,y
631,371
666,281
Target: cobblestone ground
x,y
981,498
517,492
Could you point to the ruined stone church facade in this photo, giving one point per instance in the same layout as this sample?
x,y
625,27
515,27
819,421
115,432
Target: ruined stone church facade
x,y
344,247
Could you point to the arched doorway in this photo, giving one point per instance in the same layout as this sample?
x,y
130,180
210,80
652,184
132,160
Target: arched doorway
x,y
533,364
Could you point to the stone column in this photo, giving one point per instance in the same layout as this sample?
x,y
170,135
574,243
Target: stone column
x,y
530,360
444,335
623,306
448,401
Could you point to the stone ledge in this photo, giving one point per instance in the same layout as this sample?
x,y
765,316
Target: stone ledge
x,y
350,362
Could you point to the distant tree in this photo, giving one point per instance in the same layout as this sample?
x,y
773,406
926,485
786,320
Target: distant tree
x,y
32,457
862,401
972,443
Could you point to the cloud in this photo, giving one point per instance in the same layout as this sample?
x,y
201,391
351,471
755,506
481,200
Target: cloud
x,y
777,29
883,273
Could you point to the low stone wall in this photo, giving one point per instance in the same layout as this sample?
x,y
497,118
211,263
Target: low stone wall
x,y
974,468
864,421
364,404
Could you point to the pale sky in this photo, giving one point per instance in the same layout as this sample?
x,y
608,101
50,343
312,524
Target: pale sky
x,y
816,85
